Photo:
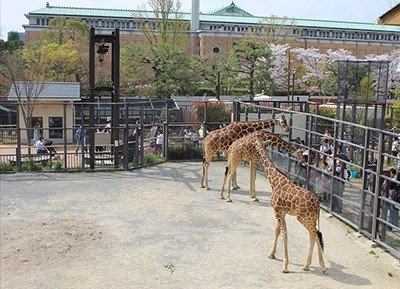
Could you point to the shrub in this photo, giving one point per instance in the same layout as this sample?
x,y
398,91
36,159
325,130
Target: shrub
x,y
57,166
185,152
6,167
31,166
151,159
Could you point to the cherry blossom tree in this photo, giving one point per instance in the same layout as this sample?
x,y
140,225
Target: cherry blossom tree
x,y
394,69
279,66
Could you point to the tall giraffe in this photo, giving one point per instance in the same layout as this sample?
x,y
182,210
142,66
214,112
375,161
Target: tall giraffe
x,y
288,198
221,139
244,149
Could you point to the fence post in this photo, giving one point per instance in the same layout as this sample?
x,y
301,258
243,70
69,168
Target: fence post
x,y
379,166
125,140
18,151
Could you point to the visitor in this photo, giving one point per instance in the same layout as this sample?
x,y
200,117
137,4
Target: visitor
x,y
159,142
39,147
37,132
81,139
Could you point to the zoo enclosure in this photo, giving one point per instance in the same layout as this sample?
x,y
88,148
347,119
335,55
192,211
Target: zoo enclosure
x,y
358,201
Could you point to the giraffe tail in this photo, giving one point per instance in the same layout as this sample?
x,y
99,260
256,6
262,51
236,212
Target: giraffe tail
x,y
320,239
226,171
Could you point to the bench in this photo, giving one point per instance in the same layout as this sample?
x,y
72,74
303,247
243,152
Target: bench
x,y
101,157
37,158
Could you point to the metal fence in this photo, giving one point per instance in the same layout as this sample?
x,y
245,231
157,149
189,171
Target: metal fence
x,y
124,136
352,187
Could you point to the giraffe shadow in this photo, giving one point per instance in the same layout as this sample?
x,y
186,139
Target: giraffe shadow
x,y
336,272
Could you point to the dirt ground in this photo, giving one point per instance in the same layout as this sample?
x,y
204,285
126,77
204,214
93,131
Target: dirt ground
x,y
155,228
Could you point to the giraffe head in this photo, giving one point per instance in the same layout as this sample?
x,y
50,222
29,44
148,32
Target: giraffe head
x,y
298,154
281,121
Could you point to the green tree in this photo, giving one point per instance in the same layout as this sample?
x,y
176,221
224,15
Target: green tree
x,y
72,35
59,62
64,30
159,67
253,57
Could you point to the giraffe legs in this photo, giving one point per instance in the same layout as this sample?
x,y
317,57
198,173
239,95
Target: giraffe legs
x,y
221,195
253,174
234,181
314,238
227,175
204,174
280,226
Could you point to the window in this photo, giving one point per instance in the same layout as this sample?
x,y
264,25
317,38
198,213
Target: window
x,y
55,127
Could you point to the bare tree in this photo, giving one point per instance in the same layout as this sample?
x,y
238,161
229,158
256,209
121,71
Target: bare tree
x,y
26,81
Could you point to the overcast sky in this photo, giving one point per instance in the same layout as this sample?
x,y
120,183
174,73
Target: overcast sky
x,y
12,11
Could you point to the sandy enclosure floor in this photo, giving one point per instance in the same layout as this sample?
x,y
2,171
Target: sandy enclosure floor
x,y
155,228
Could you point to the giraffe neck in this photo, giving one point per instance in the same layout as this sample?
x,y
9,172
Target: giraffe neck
x,y
249,127
276,141
270,170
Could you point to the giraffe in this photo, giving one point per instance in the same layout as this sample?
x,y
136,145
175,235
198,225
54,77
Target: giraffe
x,y
221,139
244,149
288,198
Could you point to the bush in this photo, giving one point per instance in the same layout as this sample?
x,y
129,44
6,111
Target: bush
x,y
57,166
6,167
31,166
185,152
151,159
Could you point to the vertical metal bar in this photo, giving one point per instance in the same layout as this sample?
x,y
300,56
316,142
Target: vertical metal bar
x,y
91,131
126,143
379,168
364,178
65,133
19,142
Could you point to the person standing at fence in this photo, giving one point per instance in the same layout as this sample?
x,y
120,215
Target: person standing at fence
x,y
159,141
37,132
81,139
394,195
395,149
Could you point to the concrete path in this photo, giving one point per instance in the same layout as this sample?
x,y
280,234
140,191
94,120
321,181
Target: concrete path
x,y
155,228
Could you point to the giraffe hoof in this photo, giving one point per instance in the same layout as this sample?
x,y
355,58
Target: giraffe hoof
x,y
324,270
256,200
229,200
271,256
222,198
285,271
306,269
202,186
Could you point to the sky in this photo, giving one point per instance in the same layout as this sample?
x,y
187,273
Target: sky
x,y
12,11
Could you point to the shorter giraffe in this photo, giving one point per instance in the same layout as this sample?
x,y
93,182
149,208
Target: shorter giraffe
x,y
288,198
244,149
221,139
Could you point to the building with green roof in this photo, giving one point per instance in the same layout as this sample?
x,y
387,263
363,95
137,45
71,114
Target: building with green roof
x,y
219,30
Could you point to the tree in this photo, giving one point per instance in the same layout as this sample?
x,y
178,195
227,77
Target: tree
x,y
64,30
279,66
27,81
254,60
167,26
160,66
59,62
70,35
279,30
394,70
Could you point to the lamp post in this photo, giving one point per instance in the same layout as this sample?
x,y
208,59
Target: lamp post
x,y
218,87
293,76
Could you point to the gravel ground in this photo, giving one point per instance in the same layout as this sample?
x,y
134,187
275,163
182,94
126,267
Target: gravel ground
x,y
155,228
